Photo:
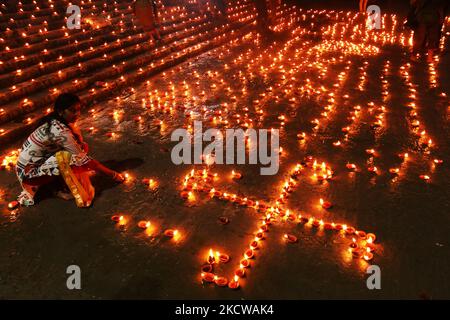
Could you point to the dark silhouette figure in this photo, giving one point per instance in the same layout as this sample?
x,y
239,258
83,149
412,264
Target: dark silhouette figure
x,y
427,19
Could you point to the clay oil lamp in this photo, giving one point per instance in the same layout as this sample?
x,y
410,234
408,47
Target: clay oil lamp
x,y
361,234
144,224
171,233
240,272
368,255
259,235
249,254
236,175
325,204
222,257
211,258
370,237
13,205
304,220
301,136
394,170
372,169
234,284
206,268
264,227
289,238
208,277
223,220
150,183
356,253
117,218
245,263
328,226
348,230
353,245
185,194
220,281
313,222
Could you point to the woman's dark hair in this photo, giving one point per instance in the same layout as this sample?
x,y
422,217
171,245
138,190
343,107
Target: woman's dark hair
x,y
63,102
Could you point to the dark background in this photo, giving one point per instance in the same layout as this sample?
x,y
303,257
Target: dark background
x,y
389,6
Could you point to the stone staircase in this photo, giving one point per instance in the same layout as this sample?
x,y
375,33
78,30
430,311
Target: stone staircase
x,y
41,58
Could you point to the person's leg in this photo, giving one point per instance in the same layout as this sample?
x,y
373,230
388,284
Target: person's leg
x,y
419,39
30,187
157,33
433,36
150,34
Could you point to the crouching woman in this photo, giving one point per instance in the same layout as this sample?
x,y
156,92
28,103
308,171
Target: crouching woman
x,y
56,149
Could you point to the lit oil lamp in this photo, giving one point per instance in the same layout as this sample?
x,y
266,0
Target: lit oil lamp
x,y
370,237
348,230
240,272
234,284
315,223
404,156
301,136
236,175
220,281
128,177
249,254
223,258
144,224
353,245
170,233
328,226
372,169
117,218
207,268
325,204
254,245
289,238
368,255
208,277
224,220
13,205
356,253
150,183
245,263
211,258
425,177
351,166
185,194
394,170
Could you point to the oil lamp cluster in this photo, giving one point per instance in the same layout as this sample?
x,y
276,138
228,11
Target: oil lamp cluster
x,y
362,245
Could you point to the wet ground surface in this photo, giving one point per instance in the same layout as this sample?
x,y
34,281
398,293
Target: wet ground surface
x,y
348,95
